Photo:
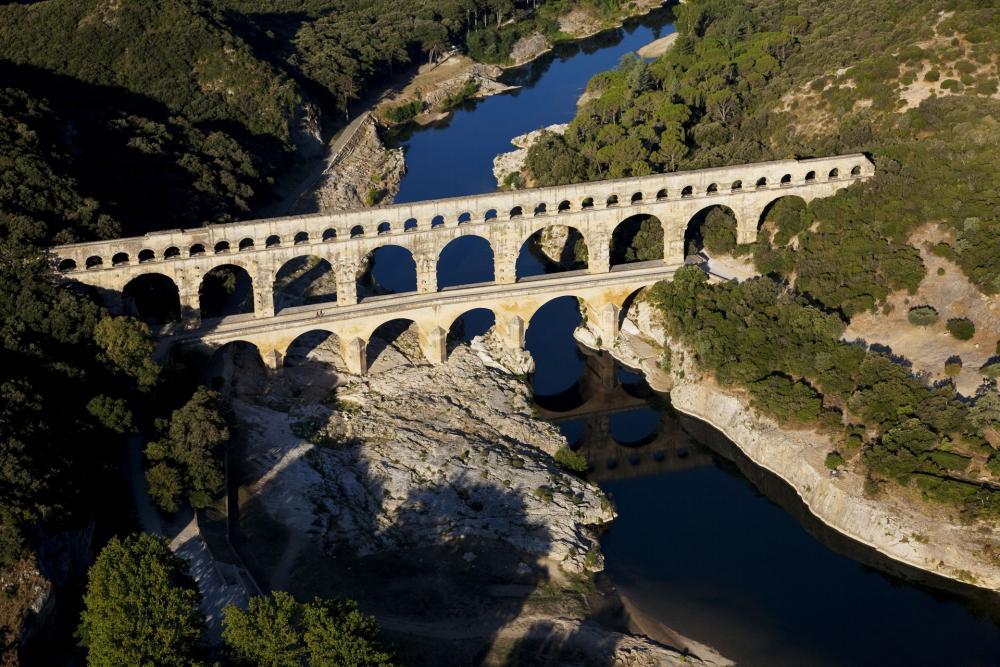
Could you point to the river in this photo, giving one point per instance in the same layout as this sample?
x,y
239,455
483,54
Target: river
x,y
697,545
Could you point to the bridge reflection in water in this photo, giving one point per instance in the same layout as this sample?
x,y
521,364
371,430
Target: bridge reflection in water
x,y
622,427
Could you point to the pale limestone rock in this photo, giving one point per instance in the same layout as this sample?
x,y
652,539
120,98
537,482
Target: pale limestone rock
x,y
413,455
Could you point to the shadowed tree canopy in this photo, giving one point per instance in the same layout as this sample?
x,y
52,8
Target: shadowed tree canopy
x,y
278,630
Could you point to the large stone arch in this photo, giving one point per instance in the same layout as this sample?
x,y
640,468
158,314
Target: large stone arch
x,y
637,238
388,268
226,289
234,363
552,248
319,345
397,333
154,298
549,339
776,203
302,280
714,228
468,324
465,260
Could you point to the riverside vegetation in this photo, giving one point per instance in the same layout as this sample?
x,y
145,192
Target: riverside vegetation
x,y
912,83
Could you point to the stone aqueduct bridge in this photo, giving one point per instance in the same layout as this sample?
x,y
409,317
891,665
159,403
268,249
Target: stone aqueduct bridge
x,y
505,219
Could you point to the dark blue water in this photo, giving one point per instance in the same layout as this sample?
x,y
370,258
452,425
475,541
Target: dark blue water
x,y
700,550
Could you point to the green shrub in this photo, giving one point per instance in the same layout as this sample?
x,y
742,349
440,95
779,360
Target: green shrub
x,y
571,460
991,368
834,460
932,75
923,316
952,85
953,366
961,328
403,113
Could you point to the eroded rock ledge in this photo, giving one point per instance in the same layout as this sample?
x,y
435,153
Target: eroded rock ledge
x,y
888,524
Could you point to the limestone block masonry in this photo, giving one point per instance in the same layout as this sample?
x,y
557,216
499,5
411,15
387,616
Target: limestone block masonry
x,y
504,219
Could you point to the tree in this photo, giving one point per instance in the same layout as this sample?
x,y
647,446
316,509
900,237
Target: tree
x,y
187,457
127,343
141,606
278,631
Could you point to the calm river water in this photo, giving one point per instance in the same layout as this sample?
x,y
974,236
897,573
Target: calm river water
x,y
734,563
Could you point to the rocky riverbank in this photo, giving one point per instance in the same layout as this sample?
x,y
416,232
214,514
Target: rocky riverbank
x,y
922,536
437,483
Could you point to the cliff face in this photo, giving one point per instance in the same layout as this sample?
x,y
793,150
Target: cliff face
x,y
920,535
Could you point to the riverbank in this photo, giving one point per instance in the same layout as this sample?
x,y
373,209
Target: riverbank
x,y
923,537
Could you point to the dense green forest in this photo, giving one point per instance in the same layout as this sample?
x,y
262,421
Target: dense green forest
x,y
773,79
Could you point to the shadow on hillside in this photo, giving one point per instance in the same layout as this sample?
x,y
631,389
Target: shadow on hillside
x,y
147,166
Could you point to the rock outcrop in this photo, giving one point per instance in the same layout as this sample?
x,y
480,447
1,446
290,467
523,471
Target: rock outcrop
x,y
513,162
364,172
528,48
413,455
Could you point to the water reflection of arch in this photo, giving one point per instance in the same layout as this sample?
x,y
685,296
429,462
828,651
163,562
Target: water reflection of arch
x,y
670,449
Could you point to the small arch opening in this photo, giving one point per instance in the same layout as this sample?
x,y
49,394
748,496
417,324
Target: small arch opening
x,y
712,189
637,198
94,261
172,252
67,265
464,217
587,203
119,258
246,244
612,201
410,225
516,212
490,215
810,176
786,180
834,174
661,194
384,228
272,241
761,183
540,209
437,221
357,231
329,235
564,206
196,249
856,171
221,246
300,238
146,255
688,191
736,186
